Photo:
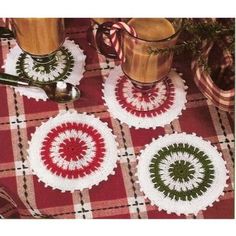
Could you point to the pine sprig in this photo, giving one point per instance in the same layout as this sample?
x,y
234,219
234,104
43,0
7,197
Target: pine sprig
x,y
198,31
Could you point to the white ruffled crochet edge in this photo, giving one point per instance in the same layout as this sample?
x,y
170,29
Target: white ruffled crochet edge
x,y
37,93
182,207
57,182
124,116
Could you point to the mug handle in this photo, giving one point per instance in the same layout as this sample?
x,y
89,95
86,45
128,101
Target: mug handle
x,y
105,49
6,32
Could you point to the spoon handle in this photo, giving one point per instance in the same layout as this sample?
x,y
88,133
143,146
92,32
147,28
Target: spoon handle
x,y
12,80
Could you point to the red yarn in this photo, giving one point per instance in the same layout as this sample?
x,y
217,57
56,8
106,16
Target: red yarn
x,y
73,149
148,97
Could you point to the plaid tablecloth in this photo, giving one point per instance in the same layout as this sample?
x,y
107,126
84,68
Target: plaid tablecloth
x,y
120,196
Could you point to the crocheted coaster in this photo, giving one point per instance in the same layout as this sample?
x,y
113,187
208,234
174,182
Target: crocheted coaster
x,y
182,173
73,151
69,66
159,107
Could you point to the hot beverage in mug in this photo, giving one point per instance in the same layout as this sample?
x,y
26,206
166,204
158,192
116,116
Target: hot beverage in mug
x,y
39,36
140,65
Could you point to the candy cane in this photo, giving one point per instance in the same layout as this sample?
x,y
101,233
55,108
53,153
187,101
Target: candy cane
x,y
114,39
7,22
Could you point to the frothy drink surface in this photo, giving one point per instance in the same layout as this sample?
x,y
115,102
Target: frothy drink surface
x,y
152,29
39,36
140,65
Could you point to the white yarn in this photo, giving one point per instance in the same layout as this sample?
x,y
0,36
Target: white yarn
x,y
55,154
177,185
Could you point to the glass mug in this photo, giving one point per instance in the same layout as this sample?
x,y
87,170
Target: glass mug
x,y
41,38
141,65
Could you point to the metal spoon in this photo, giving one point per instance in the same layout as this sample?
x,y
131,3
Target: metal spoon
x,y
59,91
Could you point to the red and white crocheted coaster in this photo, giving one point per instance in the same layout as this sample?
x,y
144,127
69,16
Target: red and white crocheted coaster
x,y
158,107
73,151
69,67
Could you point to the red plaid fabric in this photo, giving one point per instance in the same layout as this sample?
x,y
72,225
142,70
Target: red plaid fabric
x,y
8,207
120,195
224,99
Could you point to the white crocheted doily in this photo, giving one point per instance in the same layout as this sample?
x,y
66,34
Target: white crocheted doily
x,y
73,151
69,67
159,107
182,173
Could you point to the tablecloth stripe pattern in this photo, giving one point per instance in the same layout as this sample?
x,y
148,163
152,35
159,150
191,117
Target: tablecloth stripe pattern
x,y
120,196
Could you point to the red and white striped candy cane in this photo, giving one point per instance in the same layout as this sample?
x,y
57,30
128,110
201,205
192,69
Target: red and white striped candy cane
x,y
7,22
114,39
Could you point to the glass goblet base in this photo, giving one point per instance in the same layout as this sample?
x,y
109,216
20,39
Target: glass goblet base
x,y
43,60
144,87
46,69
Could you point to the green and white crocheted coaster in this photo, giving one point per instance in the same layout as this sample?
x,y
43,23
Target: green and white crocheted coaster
x,y
68,66
59,69
182,173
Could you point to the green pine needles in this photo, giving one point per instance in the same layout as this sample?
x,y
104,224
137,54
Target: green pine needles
x,y
195,31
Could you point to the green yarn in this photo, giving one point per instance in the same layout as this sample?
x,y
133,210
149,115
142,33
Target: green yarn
x,y
181,171
47,68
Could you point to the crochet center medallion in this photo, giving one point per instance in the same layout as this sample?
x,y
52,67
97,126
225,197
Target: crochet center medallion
x,y
156,107
182,173
73,151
